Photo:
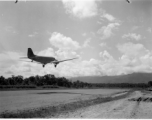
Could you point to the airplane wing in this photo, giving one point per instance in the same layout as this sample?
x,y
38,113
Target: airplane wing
x,y
63,60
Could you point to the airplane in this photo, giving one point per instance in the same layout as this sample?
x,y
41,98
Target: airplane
x,y
128,1
42,59
17,1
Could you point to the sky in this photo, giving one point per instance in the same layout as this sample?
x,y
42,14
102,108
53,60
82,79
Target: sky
x,y
110,37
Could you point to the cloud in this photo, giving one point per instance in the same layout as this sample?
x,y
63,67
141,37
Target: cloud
x,y
132,36
99,22
47,52
10,29
135,57
84,68
33,35
65,54
11,64
147,59
135,28
149,30
103,44
9,72
132,50
108,65
81,8
105,55
8,57
62,42
107,16
84,34
86,43
107,31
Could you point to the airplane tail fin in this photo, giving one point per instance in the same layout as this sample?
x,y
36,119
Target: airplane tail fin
x,y
30,53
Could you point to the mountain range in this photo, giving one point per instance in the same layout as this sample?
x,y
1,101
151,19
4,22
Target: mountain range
x,y
129,78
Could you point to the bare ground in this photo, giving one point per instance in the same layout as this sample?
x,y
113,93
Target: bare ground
x,y
121,108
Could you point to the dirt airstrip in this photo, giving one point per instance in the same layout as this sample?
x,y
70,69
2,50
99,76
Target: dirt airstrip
x,y
138,104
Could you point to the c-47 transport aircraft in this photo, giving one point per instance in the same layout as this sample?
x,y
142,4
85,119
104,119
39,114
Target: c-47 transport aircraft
x,y
42,59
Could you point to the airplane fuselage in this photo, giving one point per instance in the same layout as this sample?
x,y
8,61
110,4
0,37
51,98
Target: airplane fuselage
x,y
42,59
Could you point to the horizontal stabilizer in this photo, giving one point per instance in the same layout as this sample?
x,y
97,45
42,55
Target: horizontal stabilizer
x,y
24,61
31,61
23,57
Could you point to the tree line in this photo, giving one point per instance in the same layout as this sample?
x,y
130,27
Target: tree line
x,y
45,81
50,81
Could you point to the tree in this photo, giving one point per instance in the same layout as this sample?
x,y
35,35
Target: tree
x,y
2,81
150,83
19,79
32,80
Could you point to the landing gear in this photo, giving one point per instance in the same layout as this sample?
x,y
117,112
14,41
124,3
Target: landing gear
x,y
43,65
55,65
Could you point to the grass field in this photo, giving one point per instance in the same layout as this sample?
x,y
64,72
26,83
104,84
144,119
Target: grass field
x,y
11,101
27,99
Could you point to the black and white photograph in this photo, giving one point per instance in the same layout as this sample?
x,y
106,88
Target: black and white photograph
x,y
76,59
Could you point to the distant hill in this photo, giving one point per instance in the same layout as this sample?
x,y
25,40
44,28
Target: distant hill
x,y
129,78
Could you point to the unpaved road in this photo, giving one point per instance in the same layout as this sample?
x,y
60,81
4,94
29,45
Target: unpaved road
x,y
141,107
